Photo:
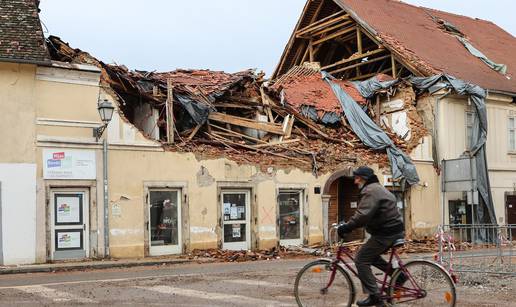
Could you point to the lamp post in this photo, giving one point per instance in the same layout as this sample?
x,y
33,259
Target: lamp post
x,y
105,109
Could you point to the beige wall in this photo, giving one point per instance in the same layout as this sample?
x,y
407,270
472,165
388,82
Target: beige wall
x,y
203,180
501,163
17,130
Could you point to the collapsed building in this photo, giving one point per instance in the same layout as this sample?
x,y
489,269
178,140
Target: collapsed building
x,y
197,159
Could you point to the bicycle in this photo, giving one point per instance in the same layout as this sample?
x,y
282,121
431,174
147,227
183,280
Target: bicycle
x,y
327,282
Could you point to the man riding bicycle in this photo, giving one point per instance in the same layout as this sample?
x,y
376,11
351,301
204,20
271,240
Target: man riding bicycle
x,y
377,211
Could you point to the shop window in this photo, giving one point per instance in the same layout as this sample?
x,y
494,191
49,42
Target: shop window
x,y
290,214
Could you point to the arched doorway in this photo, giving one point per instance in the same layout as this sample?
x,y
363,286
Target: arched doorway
x,y
342,196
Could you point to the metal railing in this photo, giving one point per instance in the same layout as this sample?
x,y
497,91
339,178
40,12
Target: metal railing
x,y
478,248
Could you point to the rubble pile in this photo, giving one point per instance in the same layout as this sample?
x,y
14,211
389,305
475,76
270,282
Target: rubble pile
x,y
295,121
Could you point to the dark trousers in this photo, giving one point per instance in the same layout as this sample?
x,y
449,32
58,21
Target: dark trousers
x,y
370,254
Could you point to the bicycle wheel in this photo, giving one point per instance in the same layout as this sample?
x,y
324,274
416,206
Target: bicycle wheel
x,y
436,283
311,282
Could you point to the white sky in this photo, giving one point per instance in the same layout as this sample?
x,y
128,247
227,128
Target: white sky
x,y
228,35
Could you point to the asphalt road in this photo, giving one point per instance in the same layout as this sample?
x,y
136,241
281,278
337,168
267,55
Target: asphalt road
x,y
264,283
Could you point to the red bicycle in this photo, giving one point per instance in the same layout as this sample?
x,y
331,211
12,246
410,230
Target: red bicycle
x,y
327,282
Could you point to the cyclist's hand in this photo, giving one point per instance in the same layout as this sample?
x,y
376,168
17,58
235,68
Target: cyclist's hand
x,y
343,229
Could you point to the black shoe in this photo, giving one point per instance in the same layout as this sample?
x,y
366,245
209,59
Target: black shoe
x,y
371,300
400,281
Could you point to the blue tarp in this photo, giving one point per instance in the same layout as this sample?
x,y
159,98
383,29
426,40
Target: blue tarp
x,y
368,132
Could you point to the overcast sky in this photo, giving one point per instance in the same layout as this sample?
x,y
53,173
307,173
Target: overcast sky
x,y
228,35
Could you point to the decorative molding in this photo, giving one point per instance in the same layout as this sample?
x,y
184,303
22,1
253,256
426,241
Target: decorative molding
x,y
67,123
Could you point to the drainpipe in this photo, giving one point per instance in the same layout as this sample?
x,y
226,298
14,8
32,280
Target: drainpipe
x,y
106,198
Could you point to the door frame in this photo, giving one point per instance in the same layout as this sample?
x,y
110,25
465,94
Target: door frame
x,y
85,229
184,233
245,245
167,249
303,198
305,217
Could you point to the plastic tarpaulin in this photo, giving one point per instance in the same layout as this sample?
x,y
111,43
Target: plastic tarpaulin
x,y
198,111
501,68
479,135
369,133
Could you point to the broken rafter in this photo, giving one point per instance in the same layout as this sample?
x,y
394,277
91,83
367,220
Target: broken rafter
x,y
244,122
234,133
353,58
170,111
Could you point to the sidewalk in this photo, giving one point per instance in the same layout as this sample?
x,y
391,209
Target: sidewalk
x,y
94,265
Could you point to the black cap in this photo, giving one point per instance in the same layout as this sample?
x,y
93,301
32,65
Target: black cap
x,y
364,172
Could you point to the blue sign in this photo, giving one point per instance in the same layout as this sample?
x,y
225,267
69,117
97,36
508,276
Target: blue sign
x,y
53,163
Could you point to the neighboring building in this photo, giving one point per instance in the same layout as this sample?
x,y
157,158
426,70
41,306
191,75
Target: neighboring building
x,y
22,48
357,39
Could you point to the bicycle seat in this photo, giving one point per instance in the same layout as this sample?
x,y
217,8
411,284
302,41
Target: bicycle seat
x,y
398,243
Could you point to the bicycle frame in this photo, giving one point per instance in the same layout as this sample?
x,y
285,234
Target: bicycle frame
x,y
414,293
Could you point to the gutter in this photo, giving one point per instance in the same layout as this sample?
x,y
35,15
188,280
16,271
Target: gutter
x,y
25,61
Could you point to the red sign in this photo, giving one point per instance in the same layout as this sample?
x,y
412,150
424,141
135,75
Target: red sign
x,y
58,155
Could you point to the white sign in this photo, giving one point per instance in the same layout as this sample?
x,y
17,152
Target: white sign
x,y
116,210
68,210
69,164
69,239
354,204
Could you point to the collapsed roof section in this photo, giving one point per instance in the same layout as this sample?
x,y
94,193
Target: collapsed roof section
x,y
239,116
356,39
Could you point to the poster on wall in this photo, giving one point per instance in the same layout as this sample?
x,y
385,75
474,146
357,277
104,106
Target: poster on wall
x,y
68,209
68,164
68,239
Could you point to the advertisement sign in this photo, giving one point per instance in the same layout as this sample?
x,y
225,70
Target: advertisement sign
x,y
68,164
68,209
71,239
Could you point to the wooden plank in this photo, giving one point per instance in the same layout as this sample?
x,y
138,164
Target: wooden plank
x,y
266,101
359,64
334,35
277,143
233,106
194,132
288,131
353,58
170,111
267,152
244,122
245,136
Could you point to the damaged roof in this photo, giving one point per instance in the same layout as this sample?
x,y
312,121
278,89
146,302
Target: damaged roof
x,y
412,32
21,35
418,39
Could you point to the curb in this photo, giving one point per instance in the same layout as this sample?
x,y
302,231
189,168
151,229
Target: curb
x,y
86,266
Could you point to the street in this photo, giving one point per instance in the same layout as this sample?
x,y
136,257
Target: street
x,y
263,283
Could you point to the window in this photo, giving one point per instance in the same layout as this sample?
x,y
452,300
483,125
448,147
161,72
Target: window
x,y
512,134
470,118
290,214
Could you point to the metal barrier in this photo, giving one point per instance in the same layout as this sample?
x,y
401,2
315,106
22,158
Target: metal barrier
x,y
478,248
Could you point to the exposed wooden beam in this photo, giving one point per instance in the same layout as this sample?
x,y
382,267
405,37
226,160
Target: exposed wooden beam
x,y
330,20
248,123
353,58
359,40
340,25
334,35
362,77
359,64
170,111
393,64
311,50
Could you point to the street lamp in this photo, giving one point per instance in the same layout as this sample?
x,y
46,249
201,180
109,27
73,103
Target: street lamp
x,y
106,109
106,112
